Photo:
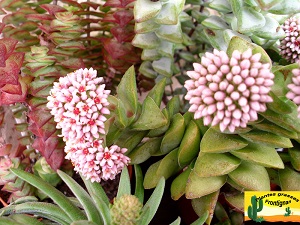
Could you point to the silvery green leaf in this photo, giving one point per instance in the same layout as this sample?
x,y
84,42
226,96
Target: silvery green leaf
x,y
170,33
258,40
150,54
249,20
146,27
167,15
147,70
199,16
271,30
236,6
183,16
148,40
166,49
228,34
221,6
215,22
216,39
252,3
163,66
179,4
285,7
145,10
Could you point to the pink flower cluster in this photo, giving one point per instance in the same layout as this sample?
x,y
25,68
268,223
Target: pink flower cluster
x,y
79,103
290,45
294,93
229,92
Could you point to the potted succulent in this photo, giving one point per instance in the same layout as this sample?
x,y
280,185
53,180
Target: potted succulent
x,y
219,113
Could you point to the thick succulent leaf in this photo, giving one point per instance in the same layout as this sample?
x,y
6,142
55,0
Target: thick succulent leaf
x,y
83,197
215,164
151,179
216,39
151,116
216,142
295,157
176,222
146,9
9,221
130,139
179,183
172,33
215,23
249,20
163,66
200,186
83,222
267,138
139,189
280,105
202,219
167,14
275,129
146,26
270,30
157,92
25,219
150,55
124,184
190,144
235,200
143,152
59,198
285,7
174,134
251,176
220,6
289,179
260,154
147,40
147,70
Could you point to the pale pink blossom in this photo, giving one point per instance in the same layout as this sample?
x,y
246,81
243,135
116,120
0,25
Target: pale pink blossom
x,y
294,89
290,45
229,91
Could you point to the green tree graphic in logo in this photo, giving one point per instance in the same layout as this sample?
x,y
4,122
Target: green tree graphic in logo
x,y
288,211
252,210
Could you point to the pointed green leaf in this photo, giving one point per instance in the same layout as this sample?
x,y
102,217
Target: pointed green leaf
x,y
216,142
289,179
157,91
130,139
25,219
150,54
176,222
190,144
267,138
83,222
202,219
215,164
206,204
124,184
147,70
9,221
146,26
59,198
236,200
168,165
151,179
251,176
260,154
215,23
147,40
271,30
166,49
279,105
127,92
151,116
167,15
174,134
146,9
295,157
249,20
220,6
163,66
161,130
172,33
200,186
275,129
179,183
216,39
83,197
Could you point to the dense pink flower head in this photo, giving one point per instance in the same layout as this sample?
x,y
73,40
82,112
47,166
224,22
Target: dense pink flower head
x,y
94,161
290,45
229,92
78,103
294,87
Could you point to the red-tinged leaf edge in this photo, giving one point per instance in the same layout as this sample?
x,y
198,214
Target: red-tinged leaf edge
x,y
52,9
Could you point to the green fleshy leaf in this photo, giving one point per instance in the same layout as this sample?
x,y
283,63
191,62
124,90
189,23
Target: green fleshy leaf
x,y
215,164
83,222
151,179
166,49
236,200
25,219
202,219
9,221
151,116
147,70
251,176
174,134
215,23
150,54
145,151
139,189
267,138
146,26
289,179
163,66
271,30
130,139
157,91
190,144
172,33
179,183
176,222
200,186
216,39
285,7
249,20
206,205
260,154
280,105
146,9
167,14
295,157
127,93
216,142
147,40
220,6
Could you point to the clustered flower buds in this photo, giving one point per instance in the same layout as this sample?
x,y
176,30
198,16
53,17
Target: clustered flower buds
x,y
229,92
290,45
79,103
294,87
126,210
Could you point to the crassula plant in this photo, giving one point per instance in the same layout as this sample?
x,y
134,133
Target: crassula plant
x,y
230,124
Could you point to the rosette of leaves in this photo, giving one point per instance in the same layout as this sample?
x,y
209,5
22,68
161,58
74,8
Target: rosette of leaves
x,y
89,207
118,51
258,21
158,33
